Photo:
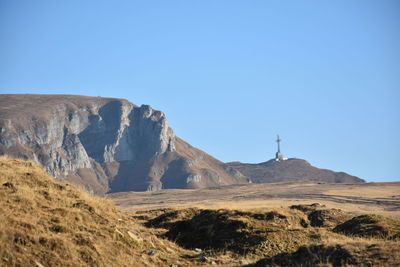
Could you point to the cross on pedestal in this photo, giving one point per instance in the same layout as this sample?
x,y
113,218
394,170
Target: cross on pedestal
x,y
279,156
278,140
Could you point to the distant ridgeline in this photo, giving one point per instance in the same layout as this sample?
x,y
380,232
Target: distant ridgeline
x,y
281,169
112,145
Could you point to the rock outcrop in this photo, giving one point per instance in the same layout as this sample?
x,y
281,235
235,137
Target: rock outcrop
x,y
291,170
105,144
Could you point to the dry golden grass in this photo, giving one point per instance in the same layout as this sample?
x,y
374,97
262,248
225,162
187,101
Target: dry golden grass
x,y
47,223
268,236
377,198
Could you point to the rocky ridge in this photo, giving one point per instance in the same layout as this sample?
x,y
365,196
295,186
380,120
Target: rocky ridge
x,y
105,144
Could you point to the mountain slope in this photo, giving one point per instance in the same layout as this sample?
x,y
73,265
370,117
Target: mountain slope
x,y
105,144
291,170
47,223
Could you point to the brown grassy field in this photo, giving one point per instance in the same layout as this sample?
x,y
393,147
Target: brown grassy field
x,y
377,198
301,235
47,223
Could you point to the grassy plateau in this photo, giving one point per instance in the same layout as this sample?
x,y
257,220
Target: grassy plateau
x,y
48,223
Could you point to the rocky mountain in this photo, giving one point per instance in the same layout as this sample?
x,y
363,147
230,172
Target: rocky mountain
x,y
105,144
291,170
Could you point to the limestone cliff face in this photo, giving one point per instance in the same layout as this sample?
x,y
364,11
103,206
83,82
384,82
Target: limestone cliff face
x,y
104,144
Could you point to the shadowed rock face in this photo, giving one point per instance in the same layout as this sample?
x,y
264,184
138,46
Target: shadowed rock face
x,y
104,144
291,170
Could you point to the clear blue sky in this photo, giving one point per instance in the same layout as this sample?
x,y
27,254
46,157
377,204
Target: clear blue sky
x,y
230,74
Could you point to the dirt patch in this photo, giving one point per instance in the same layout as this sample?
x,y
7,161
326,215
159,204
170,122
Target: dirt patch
x,y
169,218
370,226
328,218
236,231
307,208
213,230
319,216
311,256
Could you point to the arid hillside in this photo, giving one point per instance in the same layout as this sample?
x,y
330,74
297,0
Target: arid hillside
x,y
48,223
